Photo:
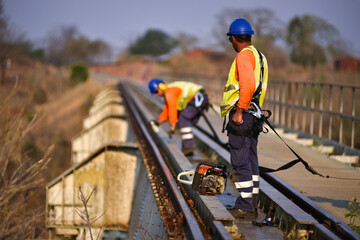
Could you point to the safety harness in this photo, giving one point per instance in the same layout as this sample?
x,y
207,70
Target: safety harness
x,y
254,109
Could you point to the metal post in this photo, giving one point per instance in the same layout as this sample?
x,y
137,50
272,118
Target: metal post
x,y
74,194
330,111
63,201
304,108
312,109
297,106
352,120
321,107
277,115
283,101
291,109
341,116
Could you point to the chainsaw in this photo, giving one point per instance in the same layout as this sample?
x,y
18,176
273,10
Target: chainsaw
x,y
209,178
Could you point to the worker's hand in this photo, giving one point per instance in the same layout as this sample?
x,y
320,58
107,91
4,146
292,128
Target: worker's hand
x,y
237,117
171,132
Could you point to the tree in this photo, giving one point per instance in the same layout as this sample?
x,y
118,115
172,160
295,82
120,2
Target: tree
x,y
268,28
56,41
153,43
99,50
12,45
66,45
308,38
185,42
266,25
4,46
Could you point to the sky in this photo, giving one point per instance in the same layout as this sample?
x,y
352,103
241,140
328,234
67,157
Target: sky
x,y
118,22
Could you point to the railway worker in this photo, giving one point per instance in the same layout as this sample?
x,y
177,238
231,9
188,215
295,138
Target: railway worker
x,y
184,103
242,98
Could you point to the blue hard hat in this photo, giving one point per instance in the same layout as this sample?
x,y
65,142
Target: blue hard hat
x,y
154,84
240,27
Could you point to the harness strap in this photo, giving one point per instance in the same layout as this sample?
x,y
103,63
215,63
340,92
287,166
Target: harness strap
x,y
258,90
292,163
224,124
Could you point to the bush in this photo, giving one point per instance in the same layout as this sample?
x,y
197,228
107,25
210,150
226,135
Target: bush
x,y
79,73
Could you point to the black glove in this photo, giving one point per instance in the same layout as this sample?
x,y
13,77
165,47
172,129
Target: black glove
x,y
170,133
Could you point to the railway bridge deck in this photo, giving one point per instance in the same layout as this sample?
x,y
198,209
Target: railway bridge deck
x,y
332,194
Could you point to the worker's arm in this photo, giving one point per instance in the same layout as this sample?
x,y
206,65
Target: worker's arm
x,y
170,111
163,117
245,65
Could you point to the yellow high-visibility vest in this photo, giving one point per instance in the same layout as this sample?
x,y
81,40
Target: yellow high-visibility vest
x,y
189,89
231,91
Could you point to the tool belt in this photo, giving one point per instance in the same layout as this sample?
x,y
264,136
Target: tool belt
x,y
257,125
254,131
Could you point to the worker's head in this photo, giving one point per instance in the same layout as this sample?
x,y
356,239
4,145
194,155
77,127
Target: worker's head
x,y
157,86
240,31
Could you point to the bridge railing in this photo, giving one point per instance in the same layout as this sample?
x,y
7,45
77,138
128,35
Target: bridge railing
x,y
325,110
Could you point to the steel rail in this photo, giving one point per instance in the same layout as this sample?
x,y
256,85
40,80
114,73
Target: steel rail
x,y
194,230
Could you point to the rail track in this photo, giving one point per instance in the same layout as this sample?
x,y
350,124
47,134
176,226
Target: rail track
x,y
285,212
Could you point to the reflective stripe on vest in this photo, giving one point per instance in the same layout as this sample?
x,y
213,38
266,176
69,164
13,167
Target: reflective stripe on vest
x,y
188,91
231,91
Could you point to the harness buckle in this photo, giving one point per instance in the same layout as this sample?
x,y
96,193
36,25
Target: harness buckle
x,y
255,110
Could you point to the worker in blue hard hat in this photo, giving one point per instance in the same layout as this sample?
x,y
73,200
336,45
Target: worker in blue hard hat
x,y
243,97
184,102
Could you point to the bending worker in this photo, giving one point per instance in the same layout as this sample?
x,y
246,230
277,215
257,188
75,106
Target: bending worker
x,y
186,99
242,98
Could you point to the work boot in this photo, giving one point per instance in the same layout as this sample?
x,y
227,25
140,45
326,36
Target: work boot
x,y
243,214
188,151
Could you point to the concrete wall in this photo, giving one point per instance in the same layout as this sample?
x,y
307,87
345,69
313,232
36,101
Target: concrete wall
x,y
111,172
109,130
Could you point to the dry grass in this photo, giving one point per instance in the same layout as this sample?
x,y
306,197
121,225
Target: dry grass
x,y
41,112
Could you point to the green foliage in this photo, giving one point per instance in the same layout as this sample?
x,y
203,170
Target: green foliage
x,y
79,73
353,214
153,43
308,38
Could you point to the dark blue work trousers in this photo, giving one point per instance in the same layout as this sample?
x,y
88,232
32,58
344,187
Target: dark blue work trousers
x,y
244,161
